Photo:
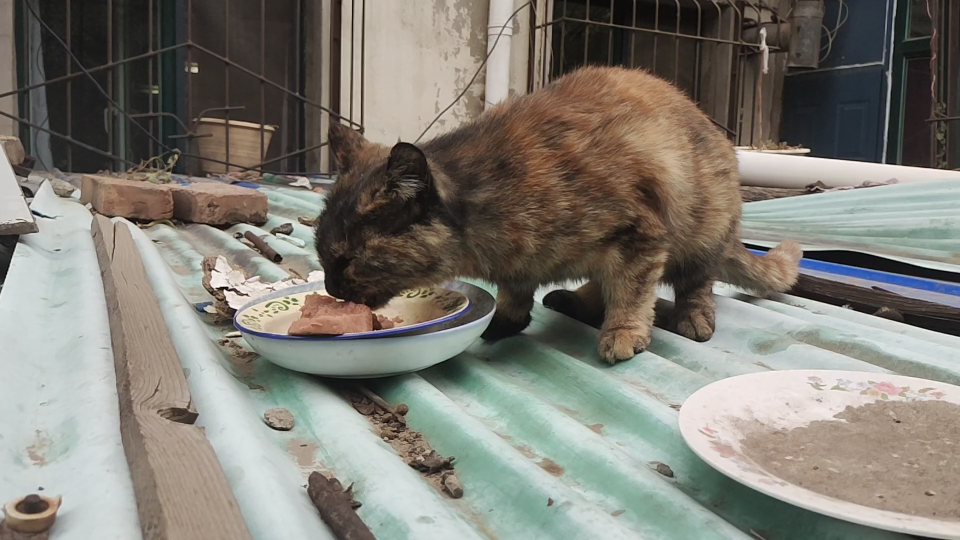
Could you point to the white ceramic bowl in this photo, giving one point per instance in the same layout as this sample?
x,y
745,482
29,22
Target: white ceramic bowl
x,y
381,354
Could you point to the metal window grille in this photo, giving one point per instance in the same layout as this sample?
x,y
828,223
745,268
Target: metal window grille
x,y
707,48
163,64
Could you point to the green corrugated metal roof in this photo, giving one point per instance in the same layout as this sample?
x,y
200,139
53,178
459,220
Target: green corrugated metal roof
x,y
549,442
917,223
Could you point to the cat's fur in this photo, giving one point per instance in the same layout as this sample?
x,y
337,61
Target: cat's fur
x,y
607,174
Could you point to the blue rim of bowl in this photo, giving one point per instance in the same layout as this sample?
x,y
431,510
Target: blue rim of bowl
x,y
318,286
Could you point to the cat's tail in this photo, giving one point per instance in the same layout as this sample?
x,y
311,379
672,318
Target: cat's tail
x,y
777,271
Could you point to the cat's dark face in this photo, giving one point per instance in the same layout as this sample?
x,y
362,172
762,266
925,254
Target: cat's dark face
x,y
383,229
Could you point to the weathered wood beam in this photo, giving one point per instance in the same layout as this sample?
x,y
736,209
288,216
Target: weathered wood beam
x,y
182,492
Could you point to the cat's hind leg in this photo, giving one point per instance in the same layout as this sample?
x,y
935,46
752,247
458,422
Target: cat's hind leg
x,y
584,304
694,312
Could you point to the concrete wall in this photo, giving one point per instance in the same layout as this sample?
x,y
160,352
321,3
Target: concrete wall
x,y
418,57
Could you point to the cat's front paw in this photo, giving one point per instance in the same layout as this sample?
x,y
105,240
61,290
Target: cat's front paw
x,y
619,344
503,327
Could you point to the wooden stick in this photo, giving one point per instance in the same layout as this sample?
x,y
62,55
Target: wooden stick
x,y
182,493
335,509
875,297
264,248
375,398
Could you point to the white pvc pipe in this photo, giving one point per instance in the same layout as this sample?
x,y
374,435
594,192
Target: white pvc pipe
x,y
782,171
497,85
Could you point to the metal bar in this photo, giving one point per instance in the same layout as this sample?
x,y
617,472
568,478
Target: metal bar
x,y
531,53
610,35
263,70
226,79
93,70
189,66
297,45
697,52
363,33
150,95
69,40
353,24
268,82
676,48
336,29
563,35
586,37
654,31
656,28
110,75
633,37
69,139
287,155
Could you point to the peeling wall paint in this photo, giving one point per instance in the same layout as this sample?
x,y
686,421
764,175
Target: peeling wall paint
x,y
418,57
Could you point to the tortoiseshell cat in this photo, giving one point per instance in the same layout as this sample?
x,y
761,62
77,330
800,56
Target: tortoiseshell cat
x,y
608,174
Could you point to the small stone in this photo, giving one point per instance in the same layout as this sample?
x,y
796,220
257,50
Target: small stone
x,y
452,485
889,314
365,407
662,468
402,409
286,228
549,501
279,418
929,493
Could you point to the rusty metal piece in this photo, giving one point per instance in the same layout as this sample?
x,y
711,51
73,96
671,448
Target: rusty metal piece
x,y
31,514
32,504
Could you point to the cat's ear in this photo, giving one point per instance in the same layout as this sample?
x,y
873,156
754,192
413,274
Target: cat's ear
x,y
408,173
345,143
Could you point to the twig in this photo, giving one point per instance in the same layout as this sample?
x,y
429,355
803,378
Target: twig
x,y
262,245
336,508
376,399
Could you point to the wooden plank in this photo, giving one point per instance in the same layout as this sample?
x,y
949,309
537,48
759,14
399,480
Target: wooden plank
x,y
922,313
15,216
182,492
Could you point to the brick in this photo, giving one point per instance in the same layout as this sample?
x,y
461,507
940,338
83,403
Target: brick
x,y
127,198
218,204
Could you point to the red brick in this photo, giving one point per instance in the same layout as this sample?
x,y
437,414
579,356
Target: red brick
x,y
127,198
218,204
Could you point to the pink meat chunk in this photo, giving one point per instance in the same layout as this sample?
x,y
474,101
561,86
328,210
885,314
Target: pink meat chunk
x,y
327,316
383,323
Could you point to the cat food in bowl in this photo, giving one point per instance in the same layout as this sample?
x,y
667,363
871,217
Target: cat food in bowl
x,y
326,316
307,312
405,348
